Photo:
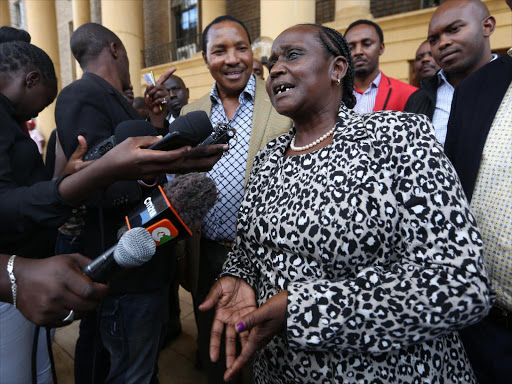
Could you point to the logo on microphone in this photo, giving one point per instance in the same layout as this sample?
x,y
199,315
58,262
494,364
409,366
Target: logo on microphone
x,y
162,231
150,207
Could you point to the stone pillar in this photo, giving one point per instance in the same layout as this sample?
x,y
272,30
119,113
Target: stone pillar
x,y
5,14
125,19
277,15
42,25
81,15
348,11
210,10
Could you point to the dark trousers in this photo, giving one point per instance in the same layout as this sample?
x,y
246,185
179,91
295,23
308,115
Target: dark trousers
x,y
212,258
489,348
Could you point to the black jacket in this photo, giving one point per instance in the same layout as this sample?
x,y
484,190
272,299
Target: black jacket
x,y
423,101
475,103
92,107
30,206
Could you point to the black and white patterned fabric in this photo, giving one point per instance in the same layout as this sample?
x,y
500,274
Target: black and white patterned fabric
x,y
229,172
374,241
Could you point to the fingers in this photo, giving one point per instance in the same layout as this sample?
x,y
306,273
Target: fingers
x,y
215,339
212,298
162,79
248,351
230,345
85,292
81,150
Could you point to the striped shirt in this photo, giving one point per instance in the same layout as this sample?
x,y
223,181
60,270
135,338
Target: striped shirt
x,y
366,100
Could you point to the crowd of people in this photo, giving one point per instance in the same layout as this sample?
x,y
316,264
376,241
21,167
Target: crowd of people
x,y
362,231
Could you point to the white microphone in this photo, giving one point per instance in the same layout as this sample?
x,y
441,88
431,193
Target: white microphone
x,y
133,249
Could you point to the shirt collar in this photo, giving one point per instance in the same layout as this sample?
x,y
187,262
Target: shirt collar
x,y
509,52
248,92
441,76
374,84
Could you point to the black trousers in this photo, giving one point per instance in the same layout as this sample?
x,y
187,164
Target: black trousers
x,y
212,258
489,348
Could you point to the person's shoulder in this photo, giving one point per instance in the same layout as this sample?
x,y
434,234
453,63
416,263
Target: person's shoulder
x,y
196,105
84,86
500,68
404,87
387,126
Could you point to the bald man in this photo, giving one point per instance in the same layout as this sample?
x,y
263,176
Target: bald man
x,y
424,64
458,34
178,94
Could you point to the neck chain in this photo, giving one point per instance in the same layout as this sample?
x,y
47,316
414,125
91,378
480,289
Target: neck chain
x,y
311,145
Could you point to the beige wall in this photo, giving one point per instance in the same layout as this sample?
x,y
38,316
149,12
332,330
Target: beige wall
x,y
277,15
5,14
210,9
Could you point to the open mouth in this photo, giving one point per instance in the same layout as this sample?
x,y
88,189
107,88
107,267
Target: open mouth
x,y
234,73
281,88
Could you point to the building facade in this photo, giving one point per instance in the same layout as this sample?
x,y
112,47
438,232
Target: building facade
x,y
159,34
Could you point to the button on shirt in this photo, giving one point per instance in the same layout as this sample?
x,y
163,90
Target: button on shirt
x,y
443,106
229,172
366,100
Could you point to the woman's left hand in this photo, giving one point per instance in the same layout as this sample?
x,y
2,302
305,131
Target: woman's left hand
x,y
263,324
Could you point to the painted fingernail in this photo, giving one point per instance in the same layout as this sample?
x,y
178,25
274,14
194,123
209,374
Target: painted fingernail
x,y
240,327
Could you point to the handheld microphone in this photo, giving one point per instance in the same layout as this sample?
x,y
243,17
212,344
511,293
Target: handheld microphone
x,y
126,129
133,249
175,211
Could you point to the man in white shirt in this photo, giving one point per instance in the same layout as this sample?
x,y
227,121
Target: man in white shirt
x,y
458,34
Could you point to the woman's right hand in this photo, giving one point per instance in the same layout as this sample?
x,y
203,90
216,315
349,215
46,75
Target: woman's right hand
x,y
232,299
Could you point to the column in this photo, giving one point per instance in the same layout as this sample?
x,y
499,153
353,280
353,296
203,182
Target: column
x,y
81,15
5,17
277,15
348,11
125,19
42,25
210,10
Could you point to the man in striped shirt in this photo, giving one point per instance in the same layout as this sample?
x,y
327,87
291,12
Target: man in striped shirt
x,y
373,90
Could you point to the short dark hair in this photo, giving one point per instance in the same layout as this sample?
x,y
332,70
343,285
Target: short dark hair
x,y
8,34
218,20
89,40
16,56
367,22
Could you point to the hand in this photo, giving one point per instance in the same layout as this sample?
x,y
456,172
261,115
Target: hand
x,y
263,324
156,95
49,288
129,160
76,162
232,298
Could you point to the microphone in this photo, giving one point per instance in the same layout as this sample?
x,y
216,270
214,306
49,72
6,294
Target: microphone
x,y
124,130
175,211
133,249
194,129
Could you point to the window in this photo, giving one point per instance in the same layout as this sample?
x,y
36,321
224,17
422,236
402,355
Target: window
x,y
325,10
380,8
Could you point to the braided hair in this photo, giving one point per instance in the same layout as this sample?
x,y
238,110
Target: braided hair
x,y
16,56
334,44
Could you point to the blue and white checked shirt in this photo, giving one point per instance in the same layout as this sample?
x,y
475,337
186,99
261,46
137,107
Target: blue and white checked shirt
x,y
444,99
229,172
366,101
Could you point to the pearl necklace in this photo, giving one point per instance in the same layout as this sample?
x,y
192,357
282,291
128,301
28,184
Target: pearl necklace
x,y
317,141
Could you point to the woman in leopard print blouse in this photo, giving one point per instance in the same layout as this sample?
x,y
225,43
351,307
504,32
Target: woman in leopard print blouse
x,y
359,249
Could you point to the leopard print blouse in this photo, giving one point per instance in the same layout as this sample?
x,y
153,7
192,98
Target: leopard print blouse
x,y
374,241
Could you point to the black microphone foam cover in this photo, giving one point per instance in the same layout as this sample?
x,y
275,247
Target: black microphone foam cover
x,y
195,125
192,195
133,128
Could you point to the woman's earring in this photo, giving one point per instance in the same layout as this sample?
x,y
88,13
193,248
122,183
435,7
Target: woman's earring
x,y
338,82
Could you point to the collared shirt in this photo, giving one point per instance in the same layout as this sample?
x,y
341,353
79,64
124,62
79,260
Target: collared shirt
x,y
170,118
229,172
366,100
492,201
444,105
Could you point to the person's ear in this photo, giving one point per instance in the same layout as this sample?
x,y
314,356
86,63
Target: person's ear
x,y
205,59
382,49
339,68
32,78
114,49
488,25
